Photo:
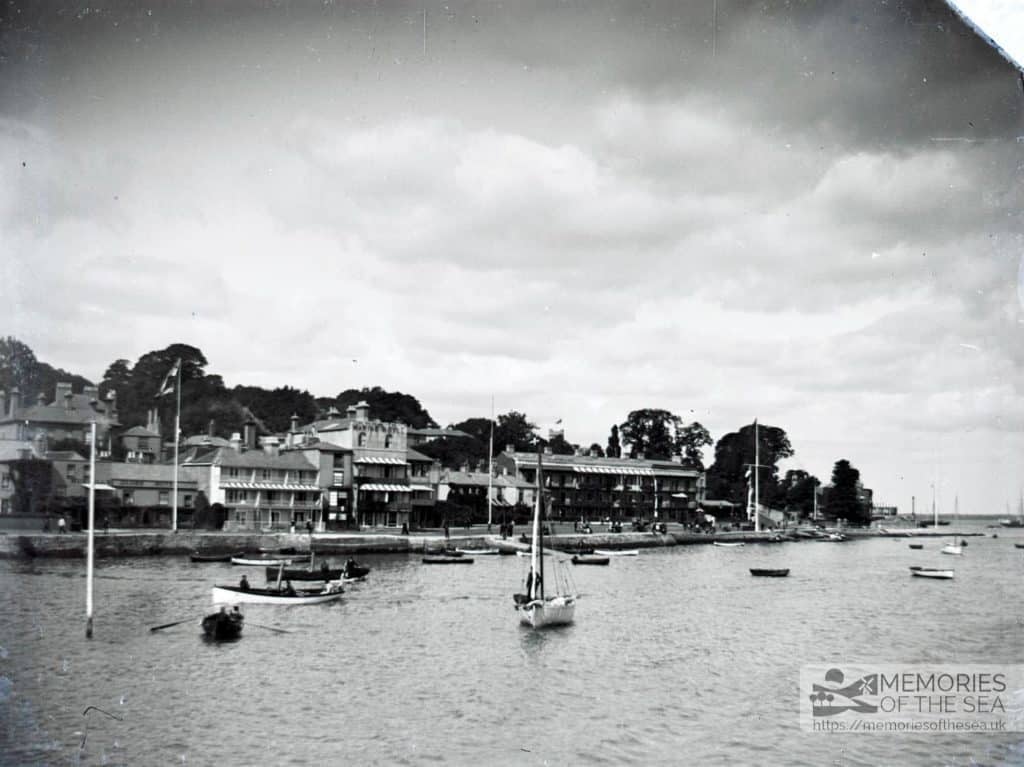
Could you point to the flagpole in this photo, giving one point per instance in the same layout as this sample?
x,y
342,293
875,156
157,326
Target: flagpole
x,y
92,523
490,468
177,432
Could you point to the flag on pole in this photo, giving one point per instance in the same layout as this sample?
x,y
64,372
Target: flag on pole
x,y
167,387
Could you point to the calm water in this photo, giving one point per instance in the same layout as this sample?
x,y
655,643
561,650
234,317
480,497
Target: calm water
x,y
677,656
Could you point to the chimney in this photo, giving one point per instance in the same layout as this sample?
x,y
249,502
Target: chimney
x,y
295,422
362,411
211,428
91,392
236,442
333,412
249,430
270,445
15,400
464,468
63,396
677,458
351,412
593,453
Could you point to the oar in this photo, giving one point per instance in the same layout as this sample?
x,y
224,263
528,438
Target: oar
x,y
168,625
268,628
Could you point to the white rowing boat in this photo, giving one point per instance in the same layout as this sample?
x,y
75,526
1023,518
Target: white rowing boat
x,y
726,545
931,572
237,595
617,552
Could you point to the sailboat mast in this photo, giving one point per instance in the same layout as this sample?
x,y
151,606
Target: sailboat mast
x,y
535,564
935,511
757,466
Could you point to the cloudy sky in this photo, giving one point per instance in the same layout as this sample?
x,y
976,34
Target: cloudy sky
x,y
809,215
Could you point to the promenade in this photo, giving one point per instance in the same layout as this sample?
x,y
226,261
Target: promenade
x,y
135,543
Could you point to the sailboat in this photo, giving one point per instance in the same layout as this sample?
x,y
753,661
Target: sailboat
x,y
953,547
536,608
1009,521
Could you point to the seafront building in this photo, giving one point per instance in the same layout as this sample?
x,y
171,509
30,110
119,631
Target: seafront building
x,y
592,487
67,417
375,478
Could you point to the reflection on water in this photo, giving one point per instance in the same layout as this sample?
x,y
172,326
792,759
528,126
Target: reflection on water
x,y
676,655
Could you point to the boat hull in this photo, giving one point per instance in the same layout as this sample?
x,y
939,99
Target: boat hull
x,y
588,559
236,595
926,572
954,550
726,545
299,574
447,560
558,611
247,562
223,626
769,573
213,557
618,552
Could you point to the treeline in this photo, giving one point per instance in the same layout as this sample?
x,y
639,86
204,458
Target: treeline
x,y
210,406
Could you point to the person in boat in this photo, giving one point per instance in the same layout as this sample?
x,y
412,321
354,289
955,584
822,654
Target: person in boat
x,y
532,579
289,590
244,584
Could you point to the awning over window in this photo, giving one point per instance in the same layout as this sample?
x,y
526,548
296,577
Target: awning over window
x,y
235,485
381,459
98,486
387,488
629,472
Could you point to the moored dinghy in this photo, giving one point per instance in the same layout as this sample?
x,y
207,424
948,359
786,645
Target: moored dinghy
x,y
931,572
617,552
590,559
769,572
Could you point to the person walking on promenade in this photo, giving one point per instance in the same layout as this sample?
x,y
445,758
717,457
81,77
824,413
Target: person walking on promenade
x,y
62,525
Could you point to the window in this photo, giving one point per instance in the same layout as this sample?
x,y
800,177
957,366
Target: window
x,y
188,501
241,516
266,474
387,441
275,517
271,497
128,498
298,517
164,498
71,471
143,443
5,481
362,439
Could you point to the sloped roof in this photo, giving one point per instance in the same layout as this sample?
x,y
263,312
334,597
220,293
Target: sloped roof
x,y
11,449
256,459
151,472
205,440
433,431
140,431
64,455
414,455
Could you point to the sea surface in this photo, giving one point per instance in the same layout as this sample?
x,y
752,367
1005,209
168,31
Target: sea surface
x,y
677,656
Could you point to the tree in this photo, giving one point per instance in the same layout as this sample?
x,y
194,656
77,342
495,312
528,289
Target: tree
x,y
614,446
514,429
734,452
690,441
799,488
18,367
386,406
650,432
844,495
117,378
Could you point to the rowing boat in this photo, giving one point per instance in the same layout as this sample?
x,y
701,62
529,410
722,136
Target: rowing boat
x,y
769,572
590,559
223,625
617,552
237,595
261,561
446,560
726,545
197,557
931,572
